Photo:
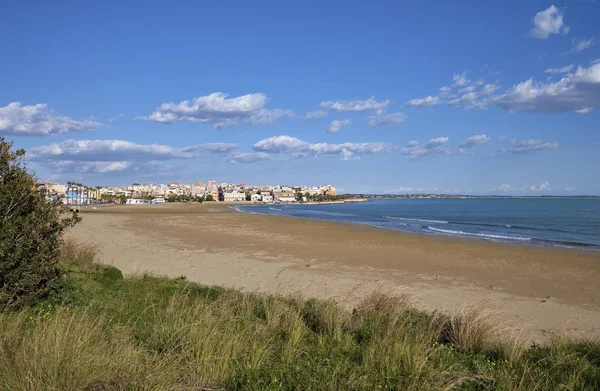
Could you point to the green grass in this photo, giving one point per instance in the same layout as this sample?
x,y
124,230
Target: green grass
x,y
102,332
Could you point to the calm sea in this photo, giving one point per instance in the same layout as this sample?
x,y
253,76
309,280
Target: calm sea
x,y
565,222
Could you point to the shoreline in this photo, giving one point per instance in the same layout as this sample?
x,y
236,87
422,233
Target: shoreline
x,y
537,290
536,242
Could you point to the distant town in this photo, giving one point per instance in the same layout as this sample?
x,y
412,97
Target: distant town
x,y
73,193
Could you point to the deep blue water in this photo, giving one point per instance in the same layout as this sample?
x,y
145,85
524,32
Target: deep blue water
x,y
566,222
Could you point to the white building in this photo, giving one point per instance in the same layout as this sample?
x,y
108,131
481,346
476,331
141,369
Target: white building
x,y
256,197
267,198
234,196
135,201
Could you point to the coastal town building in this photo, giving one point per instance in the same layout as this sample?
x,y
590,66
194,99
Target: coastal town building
x,y
234,196
139,193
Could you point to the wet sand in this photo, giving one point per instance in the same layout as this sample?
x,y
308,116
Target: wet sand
x,y
536,290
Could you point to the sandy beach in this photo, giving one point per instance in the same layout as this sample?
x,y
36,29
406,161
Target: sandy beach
x,y
535,290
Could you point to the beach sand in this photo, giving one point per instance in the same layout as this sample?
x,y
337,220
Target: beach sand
x,y
534,290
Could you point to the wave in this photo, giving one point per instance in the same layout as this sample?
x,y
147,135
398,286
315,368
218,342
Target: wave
x,y
490,236
237,208
411,219
508,226
274,208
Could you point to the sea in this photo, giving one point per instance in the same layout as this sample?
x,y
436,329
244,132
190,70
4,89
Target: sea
x,y
561,222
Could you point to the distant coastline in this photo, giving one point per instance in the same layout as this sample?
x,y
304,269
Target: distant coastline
x,y
461,196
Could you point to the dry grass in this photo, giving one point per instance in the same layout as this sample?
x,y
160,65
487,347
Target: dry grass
x,y
471,327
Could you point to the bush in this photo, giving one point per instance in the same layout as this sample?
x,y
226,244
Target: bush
x,y
31,229
112,273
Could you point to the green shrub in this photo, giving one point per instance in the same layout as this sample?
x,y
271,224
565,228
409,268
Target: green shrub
x,y
112,273
31,229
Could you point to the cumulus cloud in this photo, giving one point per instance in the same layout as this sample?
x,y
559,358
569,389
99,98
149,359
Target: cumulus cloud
x,y
565,69
580,45
528,146
435,146
578,91
300,148
546,22
505,187
370,104
39,120
336,125
386,119
471,142
316,114
219,110
428,101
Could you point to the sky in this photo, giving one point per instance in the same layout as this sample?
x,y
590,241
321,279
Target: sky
x,y
463,97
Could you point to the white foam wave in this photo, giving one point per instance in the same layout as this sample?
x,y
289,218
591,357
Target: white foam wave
x,y
274,209
423,220
449,231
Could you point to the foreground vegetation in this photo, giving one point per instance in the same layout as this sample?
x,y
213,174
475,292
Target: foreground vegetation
x,y
100,331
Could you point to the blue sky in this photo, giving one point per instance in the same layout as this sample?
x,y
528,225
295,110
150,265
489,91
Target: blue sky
x,y
432,96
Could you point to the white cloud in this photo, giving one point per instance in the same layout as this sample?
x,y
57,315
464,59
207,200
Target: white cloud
x,y
249,157
467,89
489,89
316,114
219,110
528,146
435,146
212,147
120,151
336,125
115,118
460,79
71,166
469,93
565,69
299,148
542,187
505,187
386,119
370,104
546,22
580,45
408,189
576,91
471,142
470,101
38,120
423,102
